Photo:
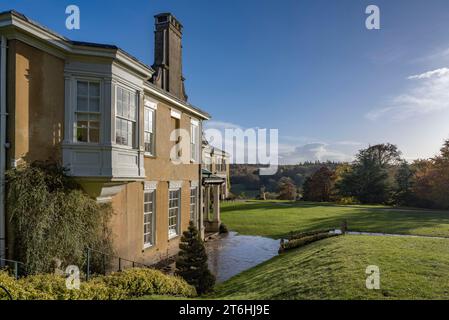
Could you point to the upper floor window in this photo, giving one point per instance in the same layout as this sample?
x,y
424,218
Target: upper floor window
x,y
220,165
126,118
207,162
149,127
176,135
87,112
194,137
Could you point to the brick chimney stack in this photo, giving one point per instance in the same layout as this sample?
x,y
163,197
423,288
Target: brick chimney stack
x,y
168,55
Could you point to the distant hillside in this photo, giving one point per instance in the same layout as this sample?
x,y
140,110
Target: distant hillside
x,y
245,177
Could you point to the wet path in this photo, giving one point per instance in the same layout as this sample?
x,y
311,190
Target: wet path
x,y
232,254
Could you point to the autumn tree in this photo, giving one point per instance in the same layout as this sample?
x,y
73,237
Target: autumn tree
x,y
287,189
319,186
431,186
340,172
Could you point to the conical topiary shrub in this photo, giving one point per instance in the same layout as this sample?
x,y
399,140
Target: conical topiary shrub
x,y
191,263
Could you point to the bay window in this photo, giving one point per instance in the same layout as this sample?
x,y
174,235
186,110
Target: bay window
x,y
87,112
126,118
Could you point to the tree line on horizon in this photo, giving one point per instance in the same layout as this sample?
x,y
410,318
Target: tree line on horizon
x,y
378,175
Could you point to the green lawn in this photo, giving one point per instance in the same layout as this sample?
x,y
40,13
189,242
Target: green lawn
x,y
277,218
410,268
334,268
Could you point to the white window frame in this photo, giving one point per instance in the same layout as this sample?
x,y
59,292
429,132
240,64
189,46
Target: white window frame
x,y
150,115
194,205
152,214
127,119
87,112
218,163
194,140
208,162
174,229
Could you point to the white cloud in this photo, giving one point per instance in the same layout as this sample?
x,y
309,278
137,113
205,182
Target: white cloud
x,y
291,149
315,152
349,143
429,74
220,125
428,93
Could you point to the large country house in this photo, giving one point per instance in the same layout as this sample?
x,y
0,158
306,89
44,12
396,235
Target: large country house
x,y
110,120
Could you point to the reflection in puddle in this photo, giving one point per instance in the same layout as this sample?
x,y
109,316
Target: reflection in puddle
x,y
231,254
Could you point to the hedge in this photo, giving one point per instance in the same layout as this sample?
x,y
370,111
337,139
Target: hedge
x,y
141,282
300,235
296,243
128,284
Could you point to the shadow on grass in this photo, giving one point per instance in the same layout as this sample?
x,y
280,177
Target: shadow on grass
x,y
278,219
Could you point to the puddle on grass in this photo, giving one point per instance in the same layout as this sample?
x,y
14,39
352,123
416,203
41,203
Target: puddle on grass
x,y
231,254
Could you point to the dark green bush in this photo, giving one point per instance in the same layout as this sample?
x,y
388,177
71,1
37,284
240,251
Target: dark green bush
x,y
53,218
142,282
128,284
223,228
296,243
53,287
300,235
191,263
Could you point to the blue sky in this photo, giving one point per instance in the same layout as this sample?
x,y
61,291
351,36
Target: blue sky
x,y
308,68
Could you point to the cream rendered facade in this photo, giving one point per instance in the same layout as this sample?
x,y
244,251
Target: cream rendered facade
x,y
66,102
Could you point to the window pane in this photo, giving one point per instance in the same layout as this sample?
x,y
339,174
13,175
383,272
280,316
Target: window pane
x,y
118,131
94,90
94,104
130,133
119,102
151,121
82,104
147,120
83,88
81,134
148,228
94,120
173,213
132,113
124,133
125,104
82,117
94,135
193,134
132,106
